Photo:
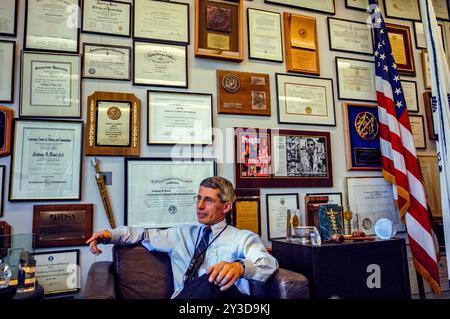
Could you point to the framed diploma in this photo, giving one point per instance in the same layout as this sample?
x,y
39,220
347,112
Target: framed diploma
x,y
243,93
179,118
58,271
305,100
113,124
411,97
51,85
277,206
400,39
357,4
421,41
106,17
7,65
362,138
369,199
161,21
430,172
2,183
356,79
324,6
46,161
157,64
426,69
277,158
428,104
106,62
62,225
159,192
441,9
8,18
246,210
52,25
219,29
264,35
349,36
6,120
418,131
402,9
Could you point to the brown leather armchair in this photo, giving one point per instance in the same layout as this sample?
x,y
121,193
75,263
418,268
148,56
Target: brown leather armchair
x,y
136,273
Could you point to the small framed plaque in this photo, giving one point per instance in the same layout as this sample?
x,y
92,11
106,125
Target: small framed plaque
x,y
430,171
2,183
410,94
62,225
426,69
421,41
106,62
113,124
350,36
7,65
356,79
107,17
58,272
52,25
219,29
277,206
246,210
418,131
8,18
6,120
362,139
402,9
400,39
51,85
323,6
357,4
243,93
428,104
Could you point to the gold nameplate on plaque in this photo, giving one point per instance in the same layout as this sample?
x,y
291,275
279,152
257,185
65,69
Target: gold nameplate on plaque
x,y
303,32
218,41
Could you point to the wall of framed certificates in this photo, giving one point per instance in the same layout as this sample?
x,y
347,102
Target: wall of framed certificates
x,y
195,88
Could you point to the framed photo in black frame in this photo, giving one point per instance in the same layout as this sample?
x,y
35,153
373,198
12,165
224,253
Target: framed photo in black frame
x,y
277,206
8,18
7,65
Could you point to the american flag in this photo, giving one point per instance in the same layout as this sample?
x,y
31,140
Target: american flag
x,y
399,160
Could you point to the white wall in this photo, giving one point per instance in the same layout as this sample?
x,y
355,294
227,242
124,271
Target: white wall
x,y
202,78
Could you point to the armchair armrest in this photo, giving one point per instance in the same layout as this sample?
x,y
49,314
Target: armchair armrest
x,y
283,284
100,282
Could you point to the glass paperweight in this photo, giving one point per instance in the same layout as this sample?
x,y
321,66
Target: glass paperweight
x,y
385,228
5,274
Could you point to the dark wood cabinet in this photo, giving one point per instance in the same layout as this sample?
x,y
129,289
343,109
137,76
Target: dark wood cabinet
x,y
349,270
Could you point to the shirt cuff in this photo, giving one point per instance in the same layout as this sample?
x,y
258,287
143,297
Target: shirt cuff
x,y
115,236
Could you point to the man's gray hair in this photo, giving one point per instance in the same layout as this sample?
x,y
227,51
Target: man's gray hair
x,y
225,187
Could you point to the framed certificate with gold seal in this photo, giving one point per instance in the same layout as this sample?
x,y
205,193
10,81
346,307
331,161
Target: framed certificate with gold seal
x,y
356,79
400,39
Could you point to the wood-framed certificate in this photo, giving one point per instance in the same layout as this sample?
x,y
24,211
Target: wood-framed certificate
x,y
246,210
357,4
159,192
161,21
441,9
158,64
46,161
8,18
418,131
51,85
356,79
277,206
411,97
305,100
350,36
52,25
402,9
58,271
179,118
264,35
113,124
7,64
6,121
324,6
62,225
106,62
107,17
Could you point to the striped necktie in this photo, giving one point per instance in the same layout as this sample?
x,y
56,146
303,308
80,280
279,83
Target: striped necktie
x,y
199,256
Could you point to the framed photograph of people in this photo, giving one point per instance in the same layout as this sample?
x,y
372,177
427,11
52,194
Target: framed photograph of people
x,y
2,184
62,225
441,9
418,131
113,124
402,9
356,79
8,18
158,64
161,192
264,35
421,41
357,4
106,17
428,104
46,162
362,136
410,94
219,29
246,210
400,39
323,6
350,36
7,65
305,100
58,272
277,206
6,121
52,25
106,62
50,85
179,118
371,198
161,21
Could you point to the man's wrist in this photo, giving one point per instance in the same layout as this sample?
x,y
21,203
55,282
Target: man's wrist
x,y
242,264
106,236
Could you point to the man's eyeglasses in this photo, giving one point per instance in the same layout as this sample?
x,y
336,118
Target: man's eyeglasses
x,y
207,199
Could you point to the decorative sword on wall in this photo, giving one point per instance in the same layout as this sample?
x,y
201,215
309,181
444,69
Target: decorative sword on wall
x,y
103,192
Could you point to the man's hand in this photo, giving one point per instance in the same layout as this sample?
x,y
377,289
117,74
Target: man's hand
x,y
96,239
225,274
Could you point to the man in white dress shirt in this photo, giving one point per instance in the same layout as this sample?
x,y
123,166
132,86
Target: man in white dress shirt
x,y
207,258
